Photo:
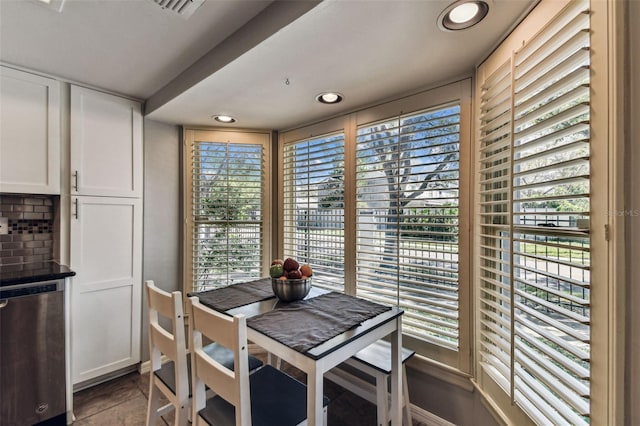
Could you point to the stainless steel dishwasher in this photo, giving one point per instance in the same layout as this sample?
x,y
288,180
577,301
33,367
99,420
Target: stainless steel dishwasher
x,y
32,354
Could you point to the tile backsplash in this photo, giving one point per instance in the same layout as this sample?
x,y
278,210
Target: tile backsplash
x,y
31,228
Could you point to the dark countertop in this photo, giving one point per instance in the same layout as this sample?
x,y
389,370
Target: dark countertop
x,y
25,273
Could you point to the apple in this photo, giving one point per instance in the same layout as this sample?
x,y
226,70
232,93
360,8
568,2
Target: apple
x,y
277,262
306,270
290,264
276,271
294,274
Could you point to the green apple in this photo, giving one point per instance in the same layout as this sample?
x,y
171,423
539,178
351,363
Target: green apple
x,y
276,271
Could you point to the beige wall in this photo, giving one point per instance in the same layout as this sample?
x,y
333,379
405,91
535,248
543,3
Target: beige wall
x,y
455,404
162,249
633,224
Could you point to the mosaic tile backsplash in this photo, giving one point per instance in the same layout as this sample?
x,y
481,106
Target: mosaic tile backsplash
x,y
31,228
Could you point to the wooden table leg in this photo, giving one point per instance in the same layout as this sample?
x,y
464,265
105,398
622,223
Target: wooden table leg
x,y
315,414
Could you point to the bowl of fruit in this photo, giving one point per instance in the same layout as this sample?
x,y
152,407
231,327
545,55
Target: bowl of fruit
x,y
289,280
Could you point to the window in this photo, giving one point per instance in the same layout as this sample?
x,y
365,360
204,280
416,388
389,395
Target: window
x,y
226,205
408,172
534,264
377,202
314,206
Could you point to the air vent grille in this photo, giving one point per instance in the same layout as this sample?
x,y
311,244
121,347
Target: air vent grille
x,y
183,8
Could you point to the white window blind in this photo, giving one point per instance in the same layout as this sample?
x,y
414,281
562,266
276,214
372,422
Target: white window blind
x,y
313,210
407,219
495,215
534,261
227,213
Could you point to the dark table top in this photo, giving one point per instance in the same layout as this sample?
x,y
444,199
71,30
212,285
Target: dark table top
x,y
25,273
332,344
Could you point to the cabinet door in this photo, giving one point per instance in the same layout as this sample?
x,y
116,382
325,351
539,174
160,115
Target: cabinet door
x,y
106,254
106,144
29,133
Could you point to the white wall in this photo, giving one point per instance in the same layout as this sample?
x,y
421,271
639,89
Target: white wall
x,y
162,242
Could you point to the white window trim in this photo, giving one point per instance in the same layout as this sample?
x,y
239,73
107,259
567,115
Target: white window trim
x,y
291,172
189,136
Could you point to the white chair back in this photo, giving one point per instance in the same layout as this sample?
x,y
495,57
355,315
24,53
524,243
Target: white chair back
x,y
231,385
166,308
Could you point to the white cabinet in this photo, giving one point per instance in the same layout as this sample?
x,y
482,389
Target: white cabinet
x,y
106,254
105,233
106,144
29,133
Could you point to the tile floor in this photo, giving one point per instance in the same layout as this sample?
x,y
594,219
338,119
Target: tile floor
x,y
123,401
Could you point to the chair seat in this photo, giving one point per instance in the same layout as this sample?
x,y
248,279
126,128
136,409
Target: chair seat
x,y
218,352
378,356
276,400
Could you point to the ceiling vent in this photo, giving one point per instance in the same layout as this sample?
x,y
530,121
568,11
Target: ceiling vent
x,y
51,4
183,8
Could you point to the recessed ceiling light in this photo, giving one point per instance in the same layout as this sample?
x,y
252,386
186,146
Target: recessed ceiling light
x,y
462,14
329,98
224,119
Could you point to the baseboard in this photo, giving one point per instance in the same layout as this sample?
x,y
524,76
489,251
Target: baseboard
x,y
104,378
145,367
427,417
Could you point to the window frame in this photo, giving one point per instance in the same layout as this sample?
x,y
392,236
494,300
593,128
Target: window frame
x,y
189,137
607,242
431,311
287,207
457,362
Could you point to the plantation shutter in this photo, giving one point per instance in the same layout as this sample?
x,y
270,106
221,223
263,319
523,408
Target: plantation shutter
x,y
495,217
313,211
407,219
227,213
534,266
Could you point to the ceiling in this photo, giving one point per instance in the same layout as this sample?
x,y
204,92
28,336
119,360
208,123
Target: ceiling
x,y
259,61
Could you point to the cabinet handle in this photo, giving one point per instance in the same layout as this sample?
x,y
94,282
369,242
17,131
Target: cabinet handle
x,y
75,203
3,303
75,181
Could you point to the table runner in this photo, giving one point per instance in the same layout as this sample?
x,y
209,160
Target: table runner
x,y
225,298
307,323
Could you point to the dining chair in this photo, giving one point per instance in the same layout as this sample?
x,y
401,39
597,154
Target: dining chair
x,y
170,379
266,397
170,374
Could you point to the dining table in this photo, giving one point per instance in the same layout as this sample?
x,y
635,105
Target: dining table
x,y
315,334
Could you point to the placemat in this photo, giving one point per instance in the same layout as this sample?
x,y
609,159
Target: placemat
x,y
307,323
225,298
